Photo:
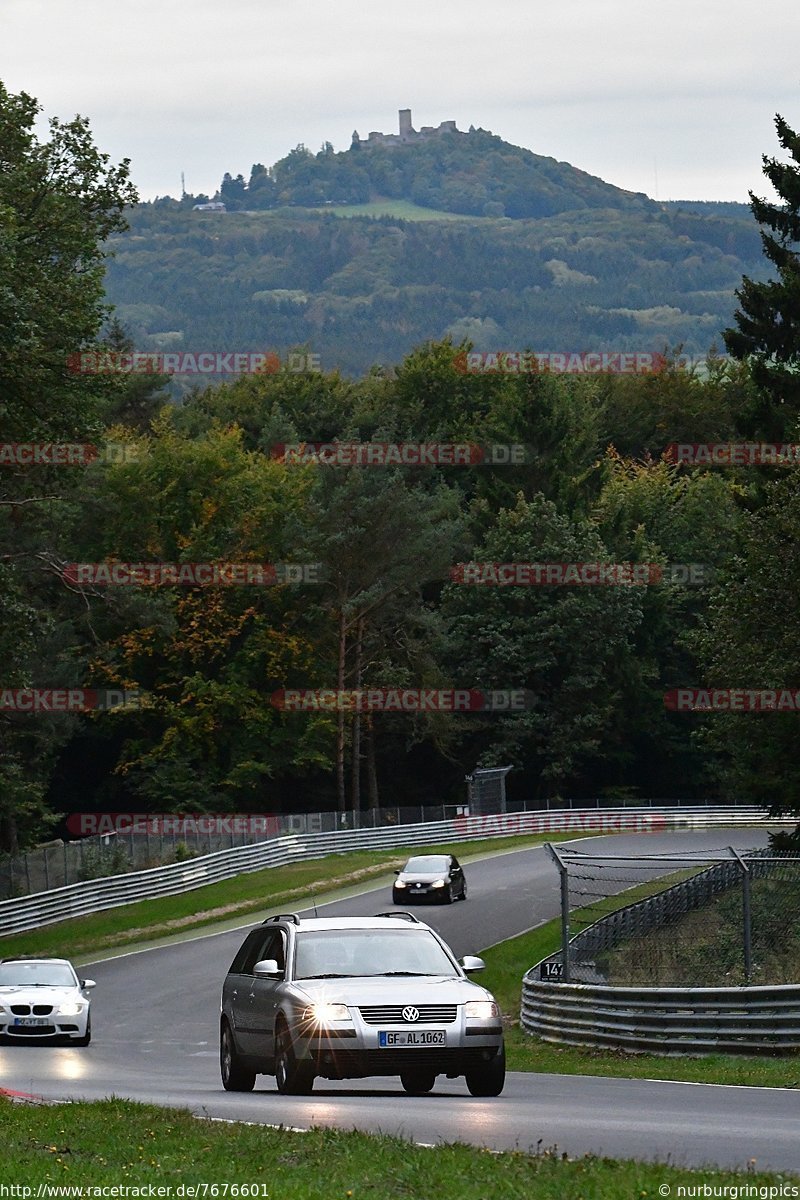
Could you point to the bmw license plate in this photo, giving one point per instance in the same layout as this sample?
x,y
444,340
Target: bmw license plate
x,y
27,1022
413,1037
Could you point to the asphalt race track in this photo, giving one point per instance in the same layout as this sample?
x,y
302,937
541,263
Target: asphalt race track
x,y
155,1022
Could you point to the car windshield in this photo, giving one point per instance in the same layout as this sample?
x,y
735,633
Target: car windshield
x,y
427,864
33,974
339,953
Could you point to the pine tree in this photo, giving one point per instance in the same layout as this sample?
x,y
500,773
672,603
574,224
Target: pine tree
x,y
767,332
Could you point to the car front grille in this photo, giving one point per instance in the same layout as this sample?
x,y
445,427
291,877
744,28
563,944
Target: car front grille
x,y
24,1010
392,1014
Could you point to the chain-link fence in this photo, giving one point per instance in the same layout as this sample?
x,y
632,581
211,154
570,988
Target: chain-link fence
x,y
726,919
161,841
137,844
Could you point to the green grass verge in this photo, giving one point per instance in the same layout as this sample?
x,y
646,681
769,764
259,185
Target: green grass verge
x,y
224,902
118,1142
508,961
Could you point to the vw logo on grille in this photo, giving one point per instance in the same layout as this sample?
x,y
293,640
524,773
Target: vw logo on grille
x,y
410,1013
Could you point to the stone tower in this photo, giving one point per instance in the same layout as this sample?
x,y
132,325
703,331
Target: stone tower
x,y
406,128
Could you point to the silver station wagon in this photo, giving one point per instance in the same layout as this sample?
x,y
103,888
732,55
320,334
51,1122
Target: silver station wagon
x,y
350,997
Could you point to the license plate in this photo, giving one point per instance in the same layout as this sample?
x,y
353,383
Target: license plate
x,y
413,1037
27,1022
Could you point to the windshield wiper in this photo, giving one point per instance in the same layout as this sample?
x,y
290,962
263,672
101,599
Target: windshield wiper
x,y
385,974
327,975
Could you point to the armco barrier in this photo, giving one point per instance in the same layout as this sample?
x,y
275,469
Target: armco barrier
x,y
79,899
736,1020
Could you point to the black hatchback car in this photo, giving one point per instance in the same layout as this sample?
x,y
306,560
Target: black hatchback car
x,y
435,877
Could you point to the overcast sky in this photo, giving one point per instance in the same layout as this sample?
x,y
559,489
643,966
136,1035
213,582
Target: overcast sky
x,y
674,99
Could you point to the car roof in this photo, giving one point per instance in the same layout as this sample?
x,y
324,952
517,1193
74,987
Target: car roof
x,y
404,920
21,958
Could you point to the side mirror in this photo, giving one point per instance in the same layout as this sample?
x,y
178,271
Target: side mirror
x,y
398,872
470,963
267,969
86,984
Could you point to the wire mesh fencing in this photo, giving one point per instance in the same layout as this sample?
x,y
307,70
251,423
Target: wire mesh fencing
x,y
722,918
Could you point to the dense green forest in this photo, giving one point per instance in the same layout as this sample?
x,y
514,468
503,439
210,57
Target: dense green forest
x,y
363,291
200,483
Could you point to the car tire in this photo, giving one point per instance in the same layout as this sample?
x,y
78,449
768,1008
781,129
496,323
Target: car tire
x,y
417,1083
87,1037
448,894
489,1078
235,1076
463,895
292,1077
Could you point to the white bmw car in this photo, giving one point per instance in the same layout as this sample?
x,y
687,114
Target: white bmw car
x,y
42,999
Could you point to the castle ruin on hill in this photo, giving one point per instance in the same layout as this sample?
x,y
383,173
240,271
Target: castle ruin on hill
x,y
407,133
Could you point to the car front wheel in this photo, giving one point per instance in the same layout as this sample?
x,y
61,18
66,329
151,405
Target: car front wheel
x,y
489,1078
235,1077
292,1077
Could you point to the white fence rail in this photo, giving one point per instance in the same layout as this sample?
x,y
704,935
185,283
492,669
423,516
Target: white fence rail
x,y
80,899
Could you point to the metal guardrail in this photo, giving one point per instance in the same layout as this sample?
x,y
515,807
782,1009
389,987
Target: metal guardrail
x,y
142,841
80,899
741,1020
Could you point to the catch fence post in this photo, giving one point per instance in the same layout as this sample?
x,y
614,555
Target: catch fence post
x,y
746,916
562,870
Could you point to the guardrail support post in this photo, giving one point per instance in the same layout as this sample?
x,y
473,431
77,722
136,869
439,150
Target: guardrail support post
x,y
562,870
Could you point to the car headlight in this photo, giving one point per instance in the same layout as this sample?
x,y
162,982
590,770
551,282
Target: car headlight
x,y
323,1012
70,1008
482,1010
439,883
399,883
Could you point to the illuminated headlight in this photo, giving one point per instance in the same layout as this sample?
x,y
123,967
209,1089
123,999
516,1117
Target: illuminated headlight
x,y
70,1008
438,883
399,883
323,1012
481,1010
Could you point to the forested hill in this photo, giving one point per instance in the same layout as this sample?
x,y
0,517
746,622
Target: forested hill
x,y
475,173
366,290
